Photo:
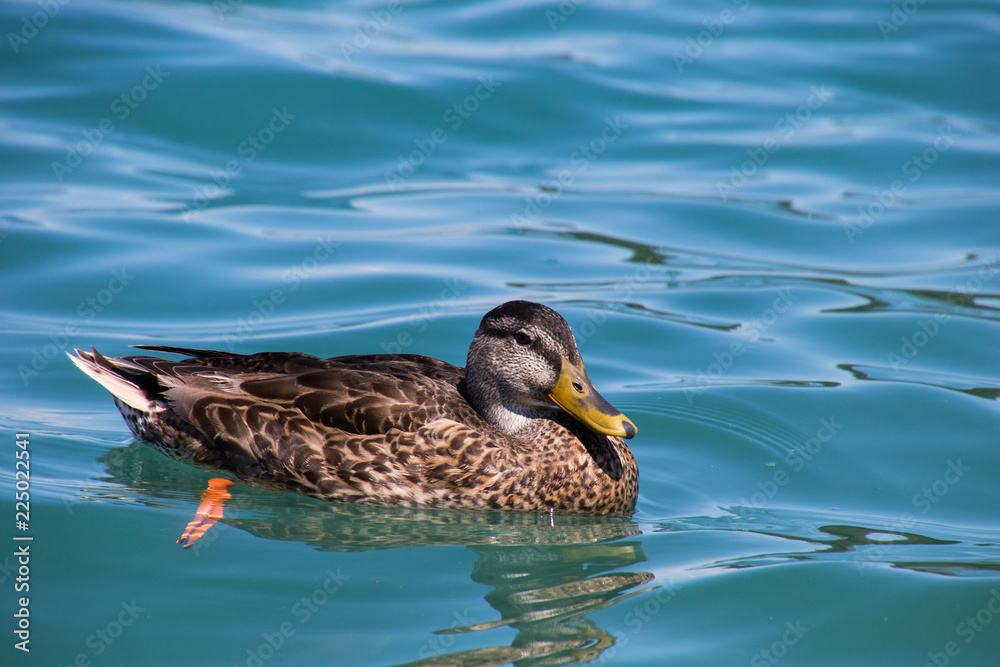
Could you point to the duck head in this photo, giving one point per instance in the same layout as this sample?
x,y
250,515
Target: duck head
x,y
523,362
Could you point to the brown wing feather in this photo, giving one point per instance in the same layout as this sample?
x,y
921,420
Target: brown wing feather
x,y
333,427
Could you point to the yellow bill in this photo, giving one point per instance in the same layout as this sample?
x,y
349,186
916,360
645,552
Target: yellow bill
x,y
575,393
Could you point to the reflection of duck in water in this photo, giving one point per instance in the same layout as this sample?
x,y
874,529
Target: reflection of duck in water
x,y
521,427
542,577
546,593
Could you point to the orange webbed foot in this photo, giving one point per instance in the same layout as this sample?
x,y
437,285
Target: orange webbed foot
x,y
209,511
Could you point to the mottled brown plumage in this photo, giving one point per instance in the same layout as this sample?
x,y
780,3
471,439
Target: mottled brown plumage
x,y
393,429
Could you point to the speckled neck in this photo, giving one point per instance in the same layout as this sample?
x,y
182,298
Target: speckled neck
x,y
506,416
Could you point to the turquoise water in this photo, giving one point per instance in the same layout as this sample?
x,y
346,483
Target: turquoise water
x,y
773,228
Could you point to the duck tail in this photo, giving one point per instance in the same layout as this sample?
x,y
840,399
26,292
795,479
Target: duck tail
x,y
130,384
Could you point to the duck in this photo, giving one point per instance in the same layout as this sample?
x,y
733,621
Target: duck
x,y
520,428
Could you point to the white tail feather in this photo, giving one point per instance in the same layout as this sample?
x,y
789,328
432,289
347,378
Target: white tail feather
x,y
121,388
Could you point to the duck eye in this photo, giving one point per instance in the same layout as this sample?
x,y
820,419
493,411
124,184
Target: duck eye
x,y
522,338
578,387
